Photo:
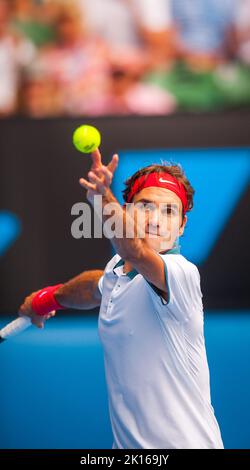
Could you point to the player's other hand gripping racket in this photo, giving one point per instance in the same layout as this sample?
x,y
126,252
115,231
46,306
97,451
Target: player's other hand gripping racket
x,y
36,309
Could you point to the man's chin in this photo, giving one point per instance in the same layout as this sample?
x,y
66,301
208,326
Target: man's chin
x,y
158,245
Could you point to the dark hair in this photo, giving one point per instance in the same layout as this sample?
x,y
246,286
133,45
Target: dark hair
x,y
174,170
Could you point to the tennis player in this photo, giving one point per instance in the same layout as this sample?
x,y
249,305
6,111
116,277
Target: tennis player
x,y
151,314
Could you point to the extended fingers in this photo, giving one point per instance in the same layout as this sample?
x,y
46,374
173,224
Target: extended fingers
x,y
99,181
49,315
38,320
86,184
107,174
113,163
102,176
96,159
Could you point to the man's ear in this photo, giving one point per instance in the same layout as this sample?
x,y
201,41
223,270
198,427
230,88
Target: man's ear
x,y
182,227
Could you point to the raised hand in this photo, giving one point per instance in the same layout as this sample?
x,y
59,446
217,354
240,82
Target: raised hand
x,y
100,176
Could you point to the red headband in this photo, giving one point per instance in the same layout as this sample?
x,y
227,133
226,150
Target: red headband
x,y
162,180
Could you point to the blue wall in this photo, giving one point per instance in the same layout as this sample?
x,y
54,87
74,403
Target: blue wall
x,y
53,391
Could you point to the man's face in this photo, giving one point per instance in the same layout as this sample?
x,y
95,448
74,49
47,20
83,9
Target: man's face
x,y
160,212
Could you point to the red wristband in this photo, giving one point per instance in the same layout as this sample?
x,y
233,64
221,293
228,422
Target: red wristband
x,y
44,301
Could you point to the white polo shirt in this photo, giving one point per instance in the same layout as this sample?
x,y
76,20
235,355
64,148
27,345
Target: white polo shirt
x,y
155,360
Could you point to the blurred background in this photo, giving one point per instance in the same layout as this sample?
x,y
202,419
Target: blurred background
x,y
71,57
163,80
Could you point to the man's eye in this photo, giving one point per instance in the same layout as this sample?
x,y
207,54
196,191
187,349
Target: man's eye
x,y
169,210
146,206
150,207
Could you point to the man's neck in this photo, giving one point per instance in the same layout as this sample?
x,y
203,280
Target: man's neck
x,y
127,267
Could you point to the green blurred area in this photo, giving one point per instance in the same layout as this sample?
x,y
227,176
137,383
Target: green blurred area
x,y
225,87
37,32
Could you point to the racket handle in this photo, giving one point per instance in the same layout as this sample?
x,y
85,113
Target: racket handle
x,y
15,327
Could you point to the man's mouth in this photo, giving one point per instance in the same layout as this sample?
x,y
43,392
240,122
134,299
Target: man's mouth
x,y
152,233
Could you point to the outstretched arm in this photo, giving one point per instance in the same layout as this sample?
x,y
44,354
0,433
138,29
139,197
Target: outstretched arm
x,y
81,292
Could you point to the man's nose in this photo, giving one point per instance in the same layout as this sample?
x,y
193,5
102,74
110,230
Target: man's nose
x,y
154,218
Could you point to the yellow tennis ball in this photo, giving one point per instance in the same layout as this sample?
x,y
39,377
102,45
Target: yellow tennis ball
x,y
86,138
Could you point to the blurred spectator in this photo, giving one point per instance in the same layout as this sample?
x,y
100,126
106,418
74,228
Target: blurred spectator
x,y
99,57
77,62
127,94
154,18
131,27
199,30
33,20
112,20
242,26
40,96
15,54
86,76
204,27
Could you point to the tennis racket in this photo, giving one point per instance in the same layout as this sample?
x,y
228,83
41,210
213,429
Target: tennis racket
x,y
13,328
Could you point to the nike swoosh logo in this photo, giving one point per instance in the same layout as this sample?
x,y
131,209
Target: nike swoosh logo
x,y
166,181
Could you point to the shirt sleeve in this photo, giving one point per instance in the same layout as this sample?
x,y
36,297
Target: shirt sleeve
x,y
183,287
100,284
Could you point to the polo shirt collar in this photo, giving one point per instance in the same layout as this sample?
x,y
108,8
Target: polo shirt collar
x,y
176,250
131,274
